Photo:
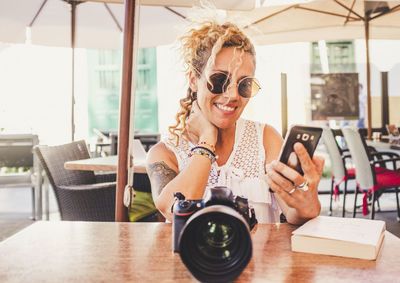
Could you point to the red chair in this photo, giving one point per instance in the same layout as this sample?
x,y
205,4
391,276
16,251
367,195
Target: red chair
x,y
370,181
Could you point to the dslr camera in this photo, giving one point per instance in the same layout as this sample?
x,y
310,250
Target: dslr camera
x,y
212,235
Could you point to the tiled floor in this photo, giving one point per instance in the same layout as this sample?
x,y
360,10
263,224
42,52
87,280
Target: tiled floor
x,y
15,209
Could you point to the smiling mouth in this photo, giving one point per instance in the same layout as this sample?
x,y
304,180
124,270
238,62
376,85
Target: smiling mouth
x,y
224,107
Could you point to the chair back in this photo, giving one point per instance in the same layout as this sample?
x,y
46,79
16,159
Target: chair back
x,y
335,155
78,196
364,131
16,150
360,157
53,158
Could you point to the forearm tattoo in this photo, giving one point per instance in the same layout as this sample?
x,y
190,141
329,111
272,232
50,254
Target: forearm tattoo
x,y
160,175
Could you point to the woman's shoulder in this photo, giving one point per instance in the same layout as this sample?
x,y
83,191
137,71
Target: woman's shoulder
x,y
271,133
272,141
160,152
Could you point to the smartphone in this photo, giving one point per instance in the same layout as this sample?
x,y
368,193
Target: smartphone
x,y
308,136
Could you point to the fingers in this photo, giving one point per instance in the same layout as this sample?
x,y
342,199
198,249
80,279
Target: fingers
x,y
319,163
307,165
310,167
296,191
275,174
287,172
284,194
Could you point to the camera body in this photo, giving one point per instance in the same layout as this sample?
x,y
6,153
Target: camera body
x,y
183,209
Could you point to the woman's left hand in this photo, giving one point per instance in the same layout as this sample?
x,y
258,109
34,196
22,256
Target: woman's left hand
x,y
303,195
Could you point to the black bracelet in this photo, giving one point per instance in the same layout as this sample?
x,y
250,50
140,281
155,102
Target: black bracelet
x,y
200,150
204,148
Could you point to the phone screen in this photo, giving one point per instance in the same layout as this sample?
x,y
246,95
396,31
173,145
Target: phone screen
x,y
308,136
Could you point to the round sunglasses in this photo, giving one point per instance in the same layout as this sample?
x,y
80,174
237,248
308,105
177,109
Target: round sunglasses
x,y
219,82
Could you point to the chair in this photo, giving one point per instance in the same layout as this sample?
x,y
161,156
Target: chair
x,y
80,195
340,173
147,140
364,131
16,151
371,181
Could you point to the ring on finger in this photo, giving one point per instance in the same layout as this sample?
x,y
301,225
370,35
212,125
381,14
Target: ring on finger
x,y
303,186
292,190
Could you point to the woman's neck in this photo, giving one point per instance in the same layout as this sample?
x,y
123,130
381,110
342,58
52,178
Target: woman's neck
x,y
226,135
225,144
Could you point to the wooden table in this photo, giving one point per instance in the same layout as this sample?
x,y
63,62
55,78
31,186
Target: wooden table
x,y
142,252
108,163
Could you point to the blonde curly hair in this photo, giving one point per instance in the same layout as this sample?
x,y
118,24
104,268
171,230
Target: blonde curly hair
x,y
199,47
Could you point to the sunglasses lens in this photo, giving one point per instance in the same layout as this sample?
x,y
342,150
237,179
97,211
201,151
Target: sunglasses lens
x,y
248,87
218,83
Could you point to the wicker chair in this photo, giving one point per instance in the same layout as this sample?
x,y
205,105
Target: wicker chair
x,y
80,195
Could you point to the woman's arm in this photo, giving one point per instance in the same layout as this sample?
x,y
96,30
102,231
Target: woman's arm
x,y
165,178
299,206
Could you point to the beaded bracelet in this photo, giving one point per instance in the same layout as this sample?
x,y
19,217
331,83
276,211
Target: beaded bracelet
x,y
208,144
200,150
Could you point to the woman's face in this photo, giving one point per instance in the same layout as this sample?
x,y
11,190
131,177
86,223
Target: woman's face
x,y
224,109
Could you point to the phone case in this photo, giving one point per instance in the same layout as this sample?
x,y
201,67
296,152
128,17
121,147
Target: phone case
x,y
308,136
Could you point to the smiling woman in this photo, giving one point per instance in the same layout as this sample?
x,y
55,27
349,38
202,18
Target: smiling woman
x,y
211,145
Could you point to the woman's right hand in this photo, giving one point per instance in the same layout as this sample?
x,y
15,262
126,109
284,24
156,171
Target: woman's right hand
x,y
199,128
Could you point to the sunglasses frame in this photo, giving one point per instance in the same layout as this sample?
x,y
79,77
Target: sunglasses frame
x,y
228,76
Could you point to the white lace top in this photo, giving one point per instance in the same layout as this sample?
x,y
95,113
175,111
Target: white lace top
x,y
243,172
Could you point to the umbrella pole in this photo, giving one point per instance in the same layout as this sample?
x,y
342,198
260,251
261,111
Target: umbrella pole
x,y
73,25
121,213
369,113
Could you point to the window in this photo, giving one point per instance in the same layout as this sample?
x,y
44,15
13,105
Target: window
x,y
104,80
341,57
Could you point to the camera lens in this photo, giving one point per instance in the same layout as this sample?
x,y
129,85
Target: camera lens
x,y
215,244
216,239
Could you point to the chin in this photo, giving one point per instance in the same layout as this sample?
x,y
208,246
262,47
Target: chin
x,y
225,124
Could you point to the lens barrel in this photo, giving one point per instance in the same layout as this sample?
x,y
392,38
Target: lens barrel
x,y
215,244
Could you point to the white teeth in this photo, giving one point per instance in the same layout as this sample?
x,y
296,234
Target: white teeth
x,y
225,108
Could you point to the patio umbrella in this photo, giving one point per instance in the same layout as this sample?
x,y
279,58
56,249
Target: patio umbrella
x,y
62,23
83,24
327,20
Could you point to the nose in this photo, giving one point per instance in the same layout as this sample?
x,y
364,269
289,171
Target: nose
x,y
231,93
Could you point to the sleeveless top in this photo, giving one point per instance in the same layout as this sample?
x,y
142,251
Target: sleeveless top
x,y
243,172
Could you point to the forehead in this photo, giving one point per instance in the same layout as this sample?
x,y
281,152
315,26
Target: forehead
x,y
234,60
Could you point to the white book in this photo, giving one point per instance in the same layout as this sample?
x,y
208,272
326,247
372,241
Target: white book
x,y
347,237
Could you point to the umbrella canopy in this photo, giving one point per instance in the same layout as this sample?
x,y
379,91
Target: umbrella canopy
x,y
98,25
326,20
